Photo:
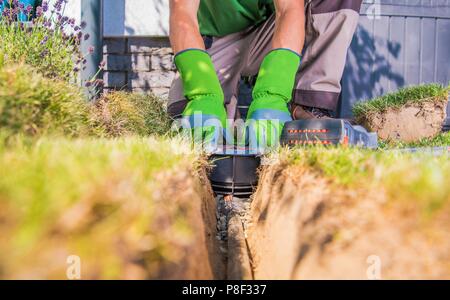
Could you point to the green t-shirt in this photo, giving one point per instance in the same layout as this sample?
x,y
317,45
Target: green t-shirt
x,y
222,17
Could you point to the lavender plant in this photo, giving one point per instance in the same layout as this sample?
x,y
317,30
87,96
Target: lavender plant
x,y
48,40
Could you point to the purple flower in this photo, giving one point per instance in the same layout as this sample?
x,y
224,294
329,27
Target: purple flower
x,y
29,9
39,11
58,5
91,49
44,53
47,23
86,36
83,25
44,6
88,84
44,40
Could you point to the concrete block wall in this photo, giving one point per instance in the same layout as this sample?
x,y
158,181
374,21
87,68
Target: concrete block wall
x,y
138,64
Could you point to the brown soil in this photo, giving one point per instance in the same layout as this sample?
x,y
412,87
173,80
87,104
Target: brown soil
x,y
410,123
202,260
238,263
305,227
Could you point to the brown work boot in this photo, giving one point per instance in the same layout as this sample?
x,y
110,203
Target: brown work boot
x,y
300,112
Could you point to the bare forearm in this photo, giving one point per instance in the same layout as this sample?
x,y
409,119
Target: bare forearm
x,y
290,25
184,34
184,29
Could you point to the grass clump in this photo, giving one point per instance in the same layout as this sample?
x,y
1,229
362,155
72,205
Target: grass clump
x,y
111,196
33,105
123,113
415,179
415,94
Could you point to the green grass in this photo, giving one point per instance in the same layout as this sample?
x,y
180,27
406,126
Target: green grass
x,y
439,141
96,180
122,113
442,140
33,105
420,179
413,94
104,200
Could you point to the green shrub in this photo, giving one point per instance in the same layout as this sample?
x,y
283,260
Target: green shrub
x,y
122,113
48,43
33,105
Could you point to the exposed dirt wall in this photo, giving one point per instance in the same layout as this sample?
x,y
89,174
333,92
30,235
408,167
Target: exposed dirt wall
x,y
409,123
170,233
305,227
201,259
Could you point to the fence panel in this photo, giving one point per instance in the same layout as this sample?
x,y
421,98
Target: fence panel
x,y
397,43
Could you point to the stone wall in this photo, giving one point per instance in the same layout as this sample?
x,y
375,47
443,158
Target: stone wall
x,y
139,64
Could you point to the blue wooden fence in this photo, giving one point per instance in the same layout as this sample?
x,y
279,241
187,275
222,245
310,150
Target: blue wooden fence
x,y
397,43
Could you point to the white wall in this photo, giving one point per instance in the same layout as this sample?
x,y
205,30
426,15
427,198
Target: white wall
x,y
72,9
135,18
128,17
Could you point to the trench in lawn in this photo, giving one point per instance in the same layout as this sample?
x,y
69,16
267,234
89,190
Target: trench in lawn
x,y
129,212
303,224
